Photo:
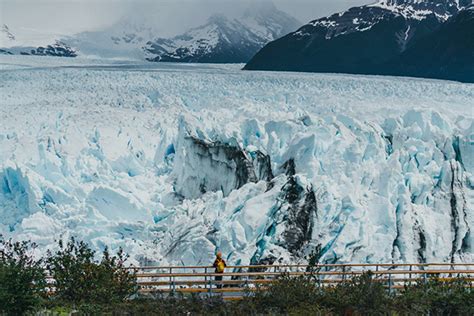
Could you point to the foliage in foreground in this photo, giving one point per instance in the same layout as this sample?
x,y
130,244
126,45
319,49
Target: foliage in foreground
x,y
22,278
362,295
85,286
80,280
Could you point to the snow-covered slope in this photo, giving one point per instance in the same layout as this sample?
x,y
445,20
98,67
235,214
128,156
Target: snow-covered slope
x,y
365,17
10,46
174,161
225,40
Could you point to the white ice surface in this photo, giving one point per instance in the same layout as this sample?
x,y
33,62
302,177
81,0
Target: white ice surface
x,y
90,148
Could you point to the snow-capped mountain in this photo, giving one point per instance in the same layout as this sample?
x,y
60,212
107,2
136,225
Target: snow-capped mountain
x,y
360,40
10,46
225,40
124,39
221,39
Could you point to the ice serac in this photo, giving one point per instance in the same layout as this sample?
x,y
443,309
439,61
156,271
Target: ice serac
x,y
17,196
203,165
436,193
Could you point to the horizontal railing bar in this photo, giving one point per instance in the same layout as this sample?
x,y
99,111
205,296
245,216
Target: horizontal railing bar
x,y
229,289
304,266
266,281
200,290
167,275
201,282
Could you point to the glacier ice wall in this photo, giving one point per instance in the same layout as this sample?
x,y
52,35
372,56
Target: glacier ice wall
x,y
172,162
201,165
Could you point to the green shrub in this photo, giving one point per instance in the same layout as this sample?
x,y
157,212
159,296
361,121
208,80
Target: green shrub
x,y
22,278
299,295
80,279
361,295
436,297
286,293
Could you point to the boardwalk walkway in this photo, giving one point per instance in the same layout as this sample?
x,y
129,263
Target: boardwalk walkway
x,y
240,280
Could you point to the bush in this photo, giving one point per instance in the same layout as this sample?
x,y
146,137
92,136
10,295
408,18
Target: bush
x,y
437,297
286,293
22,278
362,295
80,279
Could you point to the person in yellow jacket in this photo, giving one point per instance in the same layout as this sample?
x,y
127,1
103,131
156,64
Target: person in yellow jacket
x,y
219,265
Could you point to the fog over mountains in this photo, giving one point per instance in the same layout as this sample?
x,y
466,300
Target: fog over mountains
x,y
225,40
222,37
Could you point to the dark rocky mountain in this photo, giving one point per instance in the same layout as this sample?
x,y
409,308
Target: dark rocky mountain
x,y
447,53
362,40
58,49
225,40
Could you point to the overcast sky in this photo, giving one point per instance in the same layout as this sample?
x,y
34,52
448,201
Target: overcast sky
x,y
73,16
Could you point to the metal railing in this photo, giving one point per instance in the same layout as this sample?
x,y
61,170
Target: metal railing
x,y
238,280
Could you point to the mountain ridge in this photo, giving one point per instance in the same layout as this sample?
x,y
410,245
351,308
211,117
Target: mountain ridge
x,y
360,40
222,39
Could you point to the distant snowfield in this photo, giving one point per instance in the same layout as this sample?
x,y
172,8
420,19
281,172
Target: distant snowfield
x,y
120,153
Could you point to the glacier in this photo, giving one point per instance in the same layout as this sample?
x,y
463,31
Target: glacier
x,y
172,162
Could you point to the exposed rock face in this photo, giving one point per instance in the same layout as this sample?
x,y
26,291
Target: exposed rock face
x,y
203,165
300,212
57,49
446,53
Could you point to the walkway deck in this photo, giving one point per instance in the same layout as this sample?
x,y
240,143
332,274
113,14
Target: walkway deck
x,y
241,280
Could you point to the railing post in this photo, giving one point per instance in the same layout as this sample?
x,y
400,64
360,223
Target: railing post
x,y
210,286
319,279
171,279
174,286
343,273
409,275
205,278
389,283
